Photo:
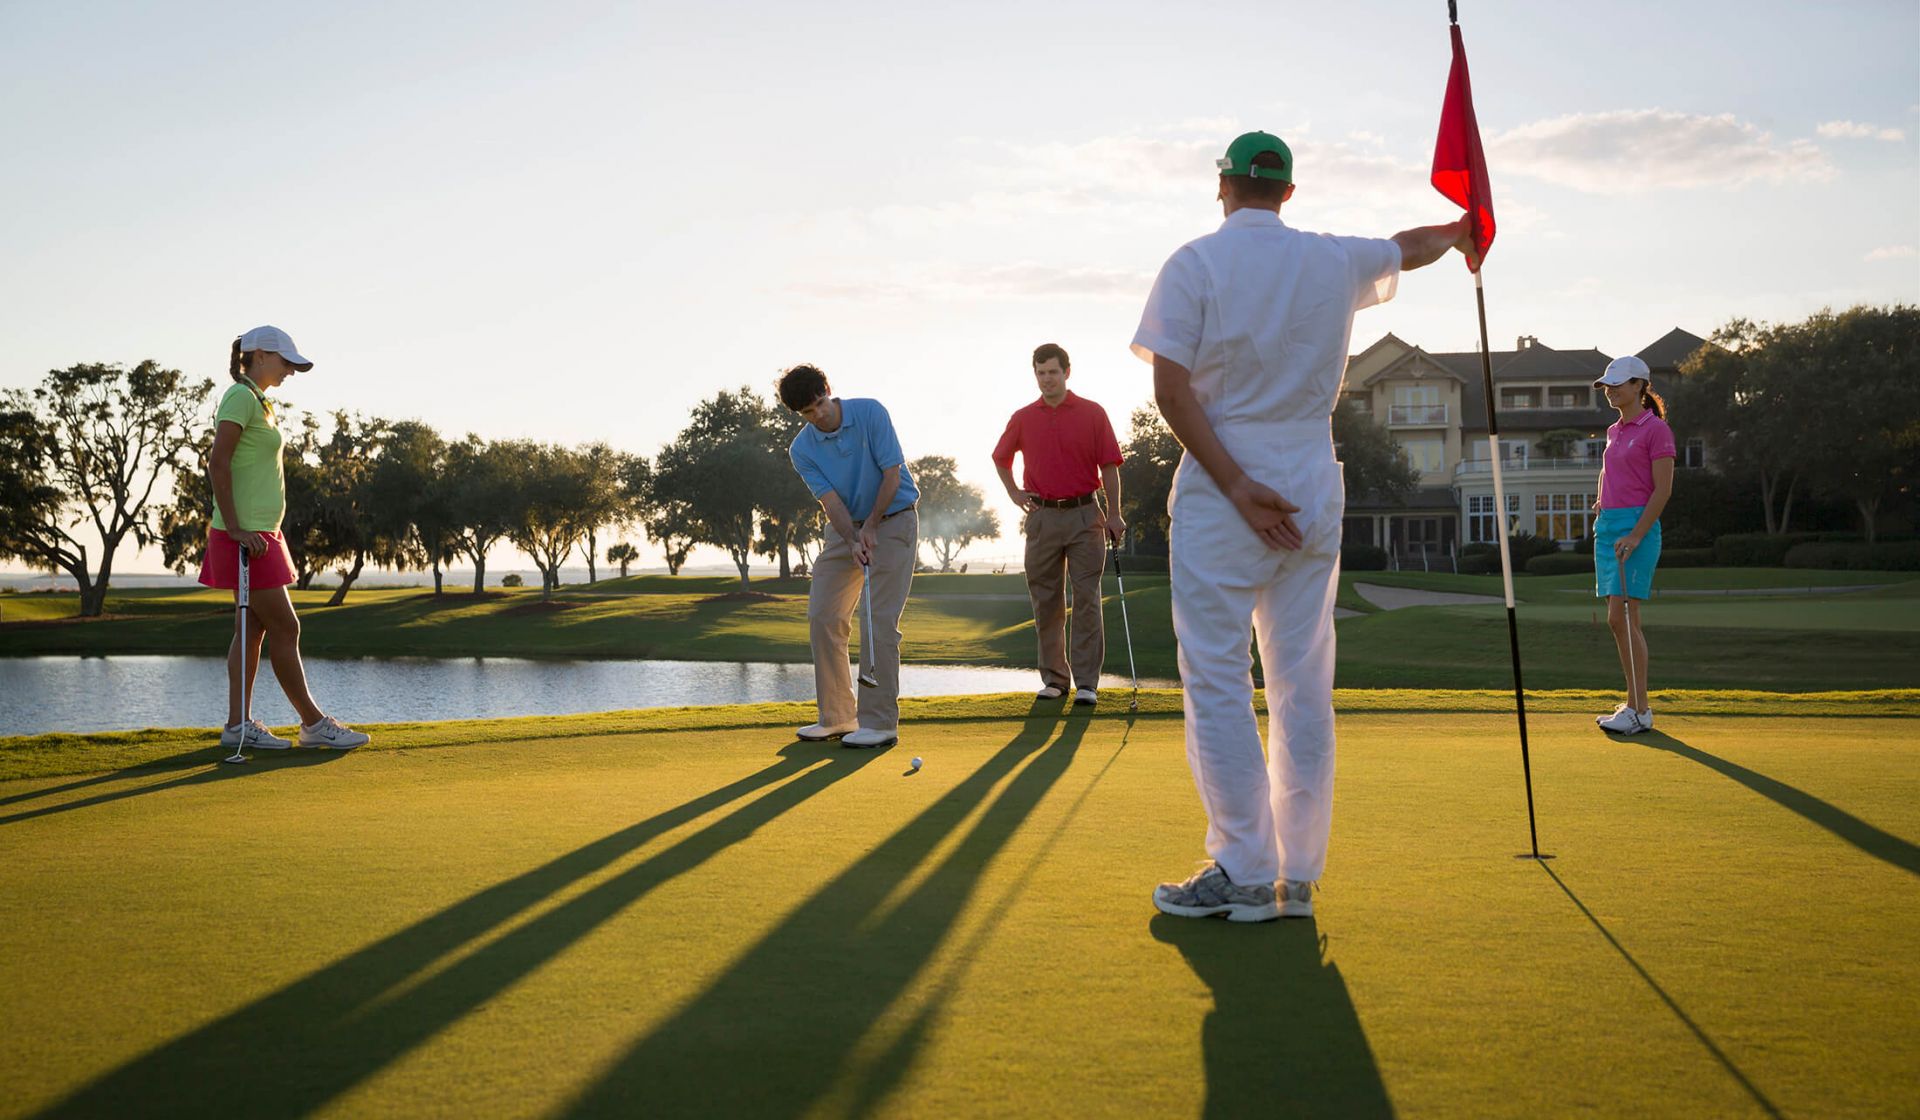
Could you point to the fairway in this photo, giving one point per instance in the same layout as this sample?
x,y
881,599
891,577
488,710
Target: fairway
x,y
710,919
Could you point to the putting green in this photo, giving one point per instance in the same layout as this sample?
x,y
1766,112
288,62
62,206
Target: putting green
x,y
709,919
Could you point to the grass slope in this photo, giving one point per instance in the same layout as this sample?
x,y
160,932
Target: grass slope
x,y
1795,642
702,918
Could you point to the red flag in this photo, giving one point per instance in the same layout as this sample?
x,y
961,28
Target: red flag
x,y
1459,164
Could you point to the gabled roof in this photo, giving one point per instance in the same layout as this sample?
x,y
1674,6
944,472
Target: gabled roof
x,y
1670,349
1413,357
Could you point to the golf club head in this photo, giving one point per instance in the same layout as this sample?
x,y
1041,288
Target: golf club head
x,y
236,758
867,681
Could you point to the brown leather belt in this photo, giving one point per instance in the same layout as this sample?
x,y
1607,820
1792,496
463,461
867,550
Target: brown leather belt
x,y
1065,503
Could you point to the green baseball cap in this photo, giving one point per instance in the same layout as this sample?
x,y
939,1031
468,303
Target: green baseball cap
x,y
1240,153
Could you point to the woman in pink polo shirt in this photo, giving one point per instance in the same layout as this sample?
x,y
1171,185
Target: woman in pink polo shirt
x,y
1636,479
249,499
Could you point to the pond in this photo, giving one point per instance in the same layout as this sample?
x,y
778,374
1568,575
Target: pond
x,y
127,692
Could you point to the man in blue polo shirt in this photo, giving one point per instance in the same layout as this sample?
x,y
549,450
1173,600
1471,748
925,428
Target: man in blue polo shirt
x,y
850,458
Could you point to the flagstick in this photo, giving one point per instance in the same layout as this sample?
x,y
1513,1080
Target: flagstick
x,y
1506,558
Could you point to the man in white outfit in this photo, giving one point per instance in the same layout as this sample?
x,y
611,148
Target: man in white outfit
x,y
1247,329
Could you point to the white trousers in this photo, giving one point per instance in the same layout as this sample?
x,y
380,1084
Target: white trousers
x,y
1270,817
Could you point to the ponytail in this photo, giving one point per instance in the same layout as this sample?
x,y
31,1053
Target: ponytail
x,y
1652,401
240,363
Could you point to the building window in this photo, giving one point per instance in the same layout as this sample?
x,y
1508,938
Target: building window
x,y
1481,524
1517,398
1596,450
1562,517
1426,455
1361,402
1693,453
1577,397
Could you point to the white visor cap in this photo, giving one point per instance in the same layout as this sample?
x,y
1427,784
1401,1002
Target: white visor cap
x,y
1622,370
276,340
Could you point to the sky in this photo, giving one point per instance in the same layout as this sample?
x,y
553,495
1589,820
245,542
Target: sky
x,y
572,222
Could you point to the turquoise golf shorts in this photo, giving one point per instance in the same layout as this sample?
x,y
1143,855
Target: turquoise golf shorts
x,y
1634,578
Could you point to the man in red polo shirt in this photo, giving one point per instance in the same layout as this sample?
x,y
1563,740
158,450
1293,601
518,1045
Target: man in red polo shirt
x,y
1070,455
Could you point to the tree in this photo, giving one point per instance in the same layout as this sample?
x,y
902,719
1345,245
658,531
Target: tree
x,y
1747,390
554,507
106,437
1146,481
622,554
407,504
299,457
481,483
953,514
603,501
339,516
29,501
791,517
718,471
1861,428
1376,467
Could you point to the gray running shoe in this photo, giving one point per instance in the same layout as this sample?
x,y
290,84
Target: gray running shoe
x,y
1209,893
1296,899
257,736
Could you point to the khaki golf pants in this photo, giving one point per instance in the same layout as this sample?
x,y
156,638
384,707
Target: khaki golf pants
x,y
833,603
1066,545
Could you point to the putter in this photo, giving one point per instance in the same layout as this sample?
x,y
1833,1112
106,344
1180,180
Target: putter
x,y
1133,705
867,679
246,699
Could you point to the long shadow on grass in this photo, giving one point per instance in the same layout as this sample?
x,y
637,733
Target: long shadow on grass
x,y
190,760
294,1051
782,1030
1680,1013
291,760
1869,839
1283,1038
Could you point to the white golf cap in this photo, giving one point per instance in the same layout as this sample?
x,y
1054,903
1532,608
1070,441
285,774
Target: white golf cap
x,y
276,340
1622,370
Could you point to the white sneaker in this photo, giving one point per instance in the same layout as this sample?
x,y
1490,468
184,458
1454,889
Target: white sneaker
x,y
870,738
1646,719
1051,692
1086,696
1615,714
257,736
330,734
820,732
1626,721
1296,899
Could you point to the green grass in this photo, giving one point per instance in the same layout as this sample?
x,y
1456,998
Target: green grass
x,y
1795,642
687,914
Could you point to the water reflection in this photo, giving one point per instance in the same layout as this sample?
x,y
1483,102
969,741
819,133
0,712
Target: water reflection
x,y
116,693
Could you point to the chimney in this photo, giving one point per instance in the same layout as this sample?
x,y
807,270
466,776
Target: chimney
x,y
1525,342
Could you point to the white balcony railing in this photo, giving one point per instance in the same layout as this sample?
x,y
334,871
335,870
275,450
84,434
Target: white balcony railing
x,y
1416,414
1533,463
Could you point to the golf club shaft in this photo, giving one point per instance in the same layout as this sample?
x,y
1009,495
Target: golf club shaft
x,y
1126,624
868,663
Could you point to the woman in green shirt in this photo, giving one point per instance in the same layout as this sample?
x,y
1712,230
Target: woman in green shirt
x,y
249,499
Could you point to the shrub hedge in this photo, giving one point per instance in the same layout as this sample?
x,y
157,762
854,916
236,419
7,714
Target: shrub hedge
x,y
1891,556
1560,563
1363,558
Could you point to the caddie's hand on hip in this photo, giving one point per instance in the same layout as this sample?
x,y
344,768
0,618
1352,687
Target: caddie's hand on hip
x,y
1022,499
1268,514
254,543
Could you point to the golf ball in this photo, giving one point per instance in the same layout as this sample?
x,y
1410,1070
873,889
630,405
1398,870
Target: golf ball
x,y
916,764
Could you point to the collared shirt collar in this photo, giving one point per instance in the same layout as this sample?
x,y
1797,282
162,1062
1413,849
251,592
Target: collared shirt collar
x,y
1067,402
1251,216
1645,415
846,421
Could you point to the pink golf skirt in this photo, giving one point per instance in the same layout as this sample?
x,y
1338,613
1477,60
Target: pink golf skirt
x,y
220,567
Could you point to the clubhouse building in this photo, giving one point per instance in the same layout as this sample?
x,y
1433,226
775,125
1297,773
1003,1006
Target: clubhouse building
x,y
1553,427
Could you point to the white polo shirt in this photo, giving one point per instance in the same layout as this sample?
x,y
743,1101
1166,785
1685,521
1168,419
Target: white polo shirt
x,y
1262,315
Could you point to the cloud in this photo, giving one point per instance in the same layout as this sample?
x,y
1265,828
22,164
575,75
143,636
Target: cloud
x,y
1632,150
1025,280
1854,130
1892,253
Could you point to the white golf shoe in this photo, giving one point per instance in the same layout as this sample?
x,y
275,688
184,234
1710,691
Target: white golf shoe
x,y
1626,721
1050,692
255,736
1086,696
820,732
869,738
1296,898
1646,719
332,735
